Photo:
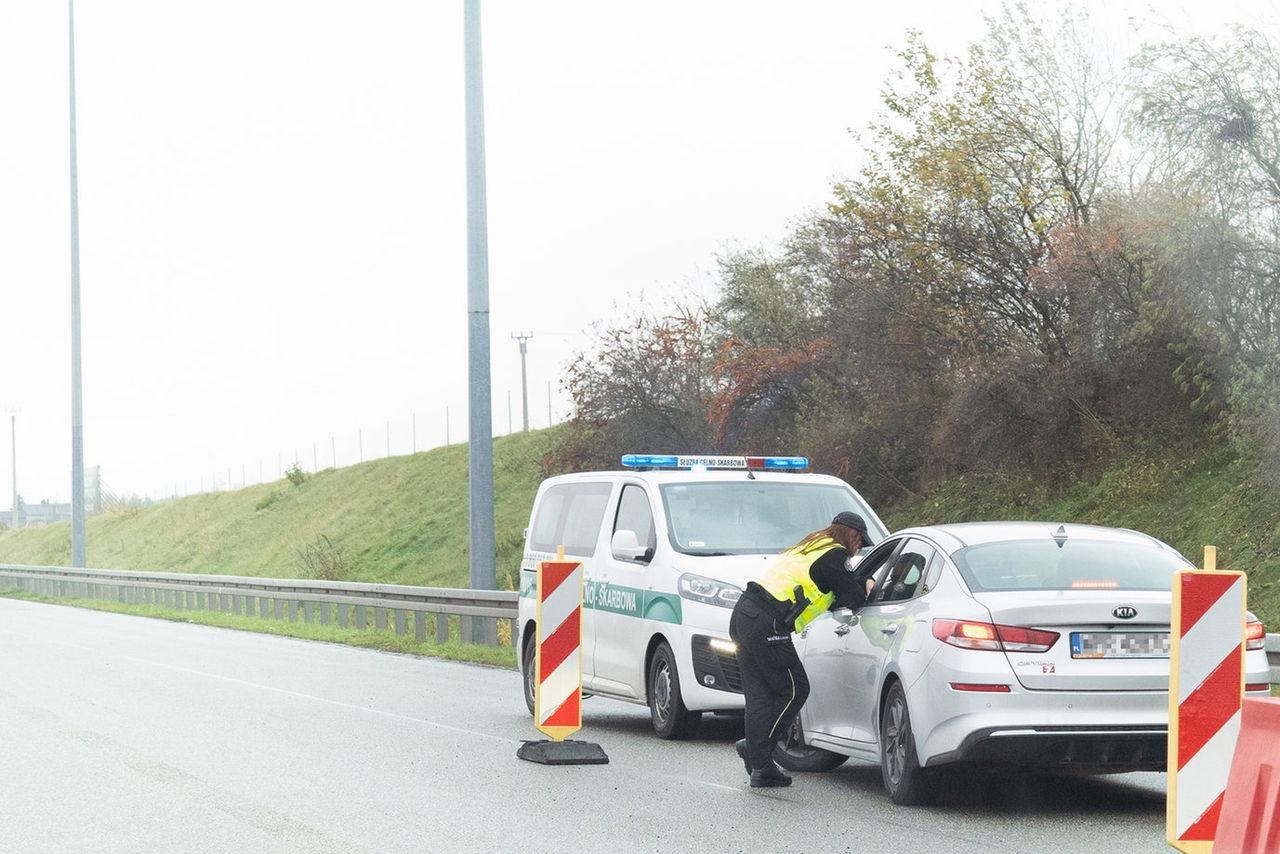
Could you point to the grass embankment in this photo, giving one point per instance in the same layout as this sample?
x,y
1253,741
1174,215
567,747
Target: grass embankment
x,y
373,638
397,520
1189,498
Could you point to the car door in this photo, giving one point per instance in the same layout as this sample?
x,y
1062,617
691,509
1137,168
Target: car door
x,y
827,655
620,594
885,626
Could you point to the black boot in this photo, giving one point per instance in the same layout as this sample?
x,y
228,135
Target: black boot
x,y
742,751
769,776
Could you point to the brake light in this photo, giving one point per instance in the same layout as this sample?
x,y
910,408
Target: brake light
x,y
1094,585
1255,635
1260,686
968,634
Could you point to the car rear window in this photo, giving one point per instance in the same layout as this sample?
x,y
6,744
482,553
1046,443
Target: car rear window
x,y
1073,565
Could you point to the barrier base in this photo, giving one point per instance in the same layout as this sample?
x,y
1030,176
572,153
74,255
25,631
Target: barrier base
x,y
568,752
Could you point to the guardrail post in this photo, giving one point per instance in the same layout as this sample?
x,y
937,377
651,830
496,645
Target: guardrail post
x,y
399,620
324,613
419,626
442,627
343,610
380,618
360,616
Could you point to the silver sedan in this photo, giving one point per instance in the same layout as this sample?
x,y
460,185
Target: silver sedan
x,y
999,642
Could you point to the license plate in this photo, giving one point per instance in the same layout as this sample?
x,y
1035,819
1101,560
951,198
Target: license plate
x,y
1119,644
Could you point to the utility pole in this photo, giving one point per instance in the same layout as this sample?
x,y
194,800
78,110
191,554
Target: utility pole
x,y
479,413
77,407
523,338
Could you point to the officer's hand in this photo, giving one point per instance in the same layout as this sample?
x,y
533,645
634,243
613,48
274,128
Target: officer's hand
x,y
871,583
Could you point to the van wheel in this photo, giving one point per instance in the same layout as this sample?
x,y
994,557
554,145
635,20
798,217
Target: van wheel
x,y
794,755
906,782
666,706
529,659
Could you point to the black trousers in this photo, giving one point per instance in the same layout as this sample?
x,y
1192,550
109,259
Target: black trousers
x,y
774,683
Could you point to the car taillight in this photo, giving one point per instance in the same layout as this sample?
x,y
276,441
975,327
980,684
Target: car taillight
x,y
1255,635
1259,686
968,634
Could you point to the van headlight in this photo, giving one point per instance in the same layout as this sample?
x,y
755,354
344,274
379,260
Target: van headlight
x,y
699,588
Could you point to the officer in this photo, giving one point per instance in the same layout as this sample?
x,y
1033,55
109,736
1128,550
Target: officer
x,y
803,582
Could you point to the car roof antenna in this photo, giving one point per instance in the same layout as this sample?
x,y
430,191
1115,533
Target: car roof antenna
x,y
1060,536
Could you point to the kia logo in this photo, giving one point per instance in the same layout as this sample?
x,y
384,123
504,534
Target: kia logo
x,y
1126,612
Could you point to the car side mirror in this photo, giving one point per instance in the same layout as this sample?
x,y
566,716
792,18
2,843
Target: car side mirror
x,y
844,617
626,546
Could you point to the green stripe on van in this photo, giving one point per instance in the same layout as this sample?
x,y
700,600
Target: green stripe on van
x,y
617,599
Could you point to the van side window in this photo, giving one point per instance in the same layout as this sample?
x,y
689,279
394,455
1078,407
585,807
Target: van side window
x,y
634,514
569,515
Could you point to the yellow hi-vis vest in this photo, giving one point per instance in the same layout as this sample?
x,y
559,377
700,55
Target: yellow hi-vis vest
x,y
792,568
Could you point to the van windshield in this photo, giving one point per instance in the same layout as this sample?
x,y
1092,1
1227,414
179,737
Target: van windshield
x,y
754,517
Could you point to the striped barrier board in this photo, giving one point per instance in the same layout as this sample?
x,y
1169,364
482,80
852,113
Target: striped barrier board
x,y
1206,691
558,692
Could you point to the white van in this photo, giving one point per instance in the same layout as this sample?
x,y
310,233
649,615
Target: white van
x,y
667,547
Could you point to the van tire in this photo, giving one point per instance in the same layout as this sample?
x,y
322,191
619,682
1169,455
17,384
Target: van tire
x,y
671,719
528,666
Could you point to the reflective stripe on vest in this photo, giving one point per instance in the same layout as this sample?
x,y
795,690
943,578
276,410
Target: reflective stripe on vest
x,y
792,568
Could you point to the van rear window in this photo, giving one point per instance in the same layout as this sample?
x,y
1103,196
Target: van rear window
x,y
569,515
1075,565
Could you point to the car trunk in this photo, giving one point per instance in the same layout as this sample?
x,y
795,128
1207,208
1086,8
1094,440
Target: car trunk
x,y
1112,654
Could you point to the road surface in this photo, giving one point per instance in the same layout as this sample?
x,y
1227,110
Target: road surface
x,y
128,734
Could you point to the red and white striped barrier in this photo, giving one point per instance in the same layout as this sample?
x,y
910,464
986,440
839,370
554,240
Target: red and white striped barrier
x,y
1206,689
558,693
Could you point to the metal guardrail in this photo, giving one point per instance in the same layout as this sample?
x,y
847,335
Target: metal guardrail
x,y
1273,657
341,603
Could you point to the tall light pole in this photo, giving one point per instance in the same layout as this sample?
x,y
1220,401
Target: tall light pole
x,y
77,409
479,413
13,431
523,338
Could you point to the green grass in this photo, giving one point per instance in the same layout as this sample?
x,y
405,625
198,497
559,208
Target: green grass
x,y
383,639
400,520
1188,498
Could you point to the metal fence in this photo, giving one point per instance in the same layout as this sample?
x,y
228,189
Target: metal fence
x,y
402,608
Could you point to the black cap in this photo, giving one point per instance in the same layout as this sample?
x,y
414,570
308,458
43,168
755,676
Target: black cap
x,y
853,520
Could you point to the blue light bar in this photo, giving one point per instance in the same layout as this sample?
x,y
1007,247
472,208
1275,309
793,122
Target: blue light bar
x,y
662,461
786,463
672,461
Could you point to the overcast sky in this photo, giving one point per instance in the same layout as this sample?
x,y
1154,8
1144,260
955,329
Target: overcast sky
x,y
273,208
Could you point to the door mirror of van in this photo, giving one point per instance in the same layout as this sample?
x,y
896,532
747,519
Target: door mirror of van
x,y
844,617
626,546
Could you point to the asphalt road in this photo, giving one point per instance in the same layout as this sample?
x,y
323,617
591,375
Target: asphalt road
x,y
126,734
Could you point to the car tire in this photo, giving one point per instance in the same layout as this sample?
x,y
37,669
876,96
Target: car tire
x,y
794,755
529,660
904,780
671,719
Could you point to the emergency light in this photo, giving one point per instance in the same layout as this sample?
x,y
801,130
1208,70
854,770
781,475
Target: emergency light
x,y
674,461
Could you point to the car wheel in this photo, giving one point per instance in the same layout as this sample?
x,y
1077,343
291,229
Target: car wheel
x,y
905,781
666,706
529,659
794,755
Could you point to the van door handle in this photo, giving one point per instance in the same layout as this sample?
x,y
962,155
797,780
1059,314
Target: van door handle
x,y
891,629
